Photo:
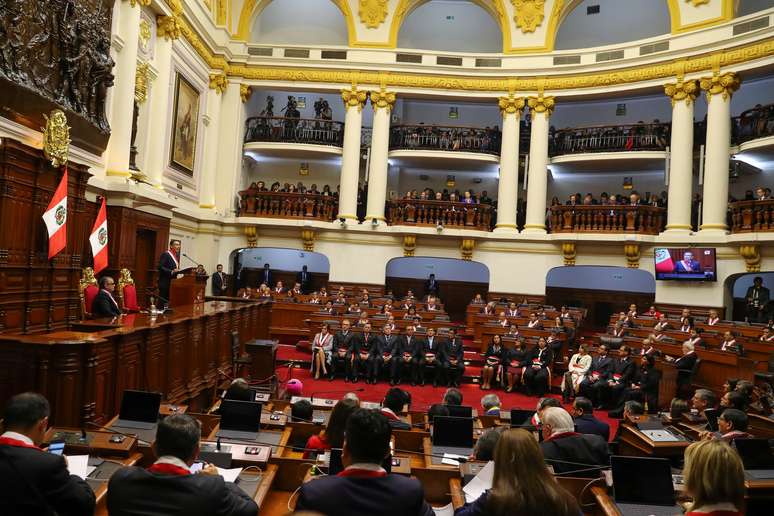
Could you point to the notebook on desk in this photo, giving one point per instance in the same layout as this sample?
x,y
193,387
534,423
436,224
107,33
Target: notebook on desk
x,y
757,458
451,435
139,410
239,420
643,486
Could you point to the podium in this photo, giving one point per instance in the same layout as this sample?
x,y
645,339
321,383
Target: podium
x,y
187,288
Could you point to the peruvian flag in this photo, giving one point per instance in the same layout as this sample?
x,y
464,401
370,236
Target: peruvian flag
x,y
55,218
99,239
664,261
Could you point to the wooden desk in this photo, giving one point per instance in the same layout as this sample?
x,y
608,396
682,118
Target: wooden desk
x,y
97,442
239,457
634,442
100,493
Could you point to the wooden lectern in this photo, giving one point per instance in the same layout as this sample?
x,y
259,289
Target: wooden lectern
x,y
187,288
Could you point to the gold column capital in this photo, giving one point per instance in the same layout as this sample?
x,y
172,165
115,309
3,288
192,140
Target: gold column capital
x,y
218,82
632,253
541,104
245,92
251,232
168,27
466,248
752,257
354,98
511,104
682,90
720,84
382,99
142,3
307,239
141,78
569,253
409,245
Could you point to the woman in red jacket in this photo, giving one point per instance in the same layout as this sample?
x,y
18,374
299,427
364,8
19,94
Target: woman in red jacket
x,y
333,435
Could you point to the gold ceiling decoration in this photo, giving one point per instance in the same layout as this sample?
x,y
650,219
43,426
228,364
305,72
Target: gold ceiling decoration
x,y
724,85
245,92
56,138
135,3
529,14
354,98
168,27
382,99
218,82
682,90
372,12
511,104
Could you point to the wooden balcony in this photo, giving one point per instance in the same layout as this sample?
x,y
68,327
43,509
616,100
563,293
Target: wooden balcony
x,y
445,138
412,212
281,205
747,216
646,220
613,138
294,130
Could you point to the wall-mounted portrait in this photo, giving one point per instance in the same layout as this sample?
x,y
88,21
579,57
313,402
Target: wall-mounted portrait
x,y
184,126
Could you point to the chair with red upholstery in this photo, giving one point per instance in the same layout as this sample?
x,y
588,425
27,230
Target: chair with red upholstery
x,y
87,291
127,292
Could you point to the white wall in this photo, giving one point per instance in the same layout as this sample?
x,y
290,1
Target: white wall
x,y
450,26
432,112
444,269
300,22
284,259
618,21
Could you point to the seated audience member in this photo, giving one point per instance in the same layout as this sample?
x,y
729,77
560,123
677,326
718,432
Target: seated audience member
x,y
342,352
597,376
620,378
393,404
644,386
534,322
766,335
491,404
484,448
713,318
301,411
732,424
562,445
453,359
585,423
492,360
502,320
579,366
730,344
537,372
104,304
521,487
713,476
632,411
489,308
746,387
677,408
436,409
652,312
478,300
662,324
352,396
513,331
702,400
33,481
735,400
322,352
694,338
730,384
364,487
333,435
514,360
169,487
513,310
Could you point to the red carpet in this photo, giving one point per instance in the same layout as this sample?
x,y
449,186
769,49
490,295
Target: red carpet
x,y
421,397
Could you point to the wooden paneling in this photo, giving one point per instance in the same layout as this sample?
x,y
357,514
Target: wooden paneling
x,y
455,295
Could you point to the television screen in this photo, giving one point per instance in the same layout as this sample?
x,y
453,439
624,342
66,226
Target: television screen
x,y
685,263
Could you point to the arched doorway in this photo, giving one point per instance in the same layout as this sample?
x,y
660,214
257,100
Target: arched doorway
x,y
601,290
247,265
458,280
736,287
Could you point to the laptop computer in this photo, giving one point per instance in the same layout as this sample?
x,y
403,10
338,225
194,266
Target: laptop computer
x,y
452,435
239,420
460,411
522,418
139,409
643,486
757,458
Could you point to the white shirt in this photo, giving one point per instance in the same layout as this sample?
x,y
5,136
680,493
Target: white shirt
x,y
367,466
174,461
18,437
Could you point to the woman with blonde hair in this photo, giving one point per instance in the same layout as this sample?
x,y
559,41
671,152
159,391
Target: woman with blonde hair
x,y
714,478
522,484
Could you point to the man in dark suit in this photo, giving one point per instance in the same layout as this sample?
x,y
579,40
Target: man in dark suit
x,y
395,400
757,300
34,481
408,347
431,286
365,354
687,264
343,346
219,286
430,356
266,275
168,487
169,265
585,422
562,445
621,376
385,352
453,359
597,375
364,487
104,304
305,279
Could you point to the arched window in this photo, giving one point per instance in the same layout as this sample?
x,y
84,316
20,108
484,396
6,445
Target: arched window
x,y
300,22
451,27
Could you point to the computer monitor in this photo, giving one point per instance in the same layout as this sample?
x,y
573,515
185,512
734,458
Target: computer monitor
x,y
241,416
460,410
712,418
140,406
455,432
755,453
642,480
521,418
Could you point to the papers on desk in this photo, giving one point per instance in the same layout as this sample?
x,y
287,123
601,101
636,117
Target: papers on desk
x,y
480,483
452,459
78,465
446,510
660,436
229,475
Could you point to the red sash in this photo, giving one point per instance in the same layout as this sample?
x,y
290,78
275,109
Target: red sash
x,y
429,356
616,377
514,363
406,355
8,441
342,351
595,375
168,469
361,473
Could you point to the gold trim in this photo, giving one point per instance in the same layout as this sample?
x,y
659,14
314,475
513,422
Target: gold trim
x,y
207,206
382,99
354,98
245,92
118,173
168,27
727,13
713,226
541,104
724,85
682,90
678,226
346,216
511,226
534,226
218,82
141,79
372,217
511,104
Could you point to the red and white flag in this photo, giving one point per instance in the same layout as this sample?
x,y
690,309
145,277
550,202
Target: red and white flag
x,y
55,218
664,261
99,239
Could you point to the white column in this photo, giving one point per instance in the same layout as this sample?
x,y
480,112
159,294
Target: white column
x,y
719,89
354,101
156,161
537,182
681,155
507,185
122,96
210,165
231,135
382,102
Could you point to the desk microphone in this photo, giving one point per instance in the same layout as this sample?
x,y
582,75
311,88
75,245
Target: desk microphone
x,y
154,294
191,259
339,391
114,431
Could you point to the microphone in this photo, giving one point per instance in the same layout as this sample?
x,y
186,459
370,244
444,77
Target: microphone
x,y
154,294
340,391
190,259
112,430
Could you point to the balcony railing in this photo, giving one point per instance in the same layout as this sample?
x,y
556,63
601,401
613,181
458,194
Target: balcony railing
x,y
648,220
754,123
294,130
283,205
445,138
747,216
411,212
618,138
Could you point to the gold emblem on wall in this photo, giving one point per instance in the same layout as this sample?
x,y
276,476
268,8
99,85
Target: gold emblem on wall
x,y
632,253
145,34
409,245
141,77
307,239
245,92
218,82
529,14
56,138
372,12
569,253
466,248
752,257
251,232
697,3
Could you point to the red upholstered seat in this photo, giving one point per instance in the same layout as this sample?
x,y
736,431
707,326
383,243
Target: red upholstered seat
x,y
130,299
89,293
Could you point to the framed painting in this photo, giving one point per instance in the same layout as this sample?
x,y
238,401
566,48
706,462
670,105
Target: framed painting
x,y
184,126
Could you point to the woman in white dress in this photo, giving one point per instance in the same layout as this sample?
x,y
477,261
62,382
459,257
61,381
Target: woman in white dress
x,y
322,345
578,367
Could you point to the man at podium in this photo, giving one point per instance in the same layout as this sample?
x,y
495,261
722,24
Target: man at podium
x,y
169,265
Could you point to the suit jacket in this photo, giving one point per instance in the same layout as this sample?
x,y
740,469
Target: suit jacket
x,y
686,362
414,346
138,492
266,276
103,306
37,483
763,295
383,345
694,266
218,282
626,369
166,266
432,347
588,424
354,496
347,341
603,365
366,344
431,287
305,279
452,349
573,447
544,359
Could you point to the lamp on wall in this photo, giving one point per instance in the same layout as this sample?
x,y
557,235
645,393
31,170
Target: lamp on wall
x,y
628,184
303,169
450,182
